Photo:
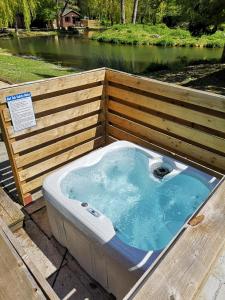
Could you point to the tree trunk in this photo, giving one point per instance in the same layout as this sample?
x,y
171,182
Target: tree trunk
x,y
154,17
122,12
57,15
135,9
223,55
111,19
16,26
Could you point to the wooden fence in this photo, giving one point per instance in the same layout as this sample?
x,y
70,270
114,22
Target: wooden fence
x,y
158,115
90,23
78,113
69,113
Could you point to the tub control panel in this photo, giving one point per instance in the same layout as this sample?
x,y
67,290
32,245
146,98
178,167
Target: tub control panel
x,y
93,212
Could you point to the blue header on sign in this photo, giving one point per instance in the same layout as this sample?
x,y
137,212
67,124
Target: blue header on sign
x,y
18,96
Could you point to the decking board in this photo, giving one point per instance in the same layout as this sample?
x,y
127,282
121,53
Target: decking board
x,y
9,212
19,277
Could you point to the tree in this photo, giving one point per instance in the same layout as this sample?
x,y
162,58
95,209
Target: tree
x,y
9,9
122,12
204,16
47,11
149,10
135,10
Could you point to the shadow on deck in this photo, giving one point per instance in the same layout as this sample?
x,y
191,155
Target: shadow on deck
x,y
7,181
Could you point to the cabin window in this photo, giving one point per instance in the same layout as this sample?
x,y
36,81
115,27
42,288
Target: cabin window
x,y
74,20
67,19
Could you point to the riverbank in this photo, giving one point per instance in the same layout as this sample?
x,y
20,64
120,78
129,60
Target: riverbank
x,y
206,77
14,69
158,35
25,34
10,33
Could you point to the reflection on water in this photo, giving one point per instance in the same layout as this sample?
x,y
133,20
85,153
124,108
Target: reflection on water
x,y
85,54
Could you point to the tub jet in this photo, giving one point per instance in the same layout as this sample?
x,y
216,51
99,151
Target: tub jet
x,y
161,172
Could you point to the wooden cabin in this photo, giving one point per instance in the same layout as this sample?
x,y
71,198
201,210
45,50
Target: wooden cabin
x,y
70,18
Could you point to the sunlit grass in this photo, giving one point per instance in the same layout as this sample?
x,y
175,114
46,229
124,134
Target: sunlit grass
x,y
15,69
159,35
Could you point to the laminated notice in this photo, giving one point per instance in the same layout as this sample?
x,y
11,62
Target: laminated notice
x,y
21,111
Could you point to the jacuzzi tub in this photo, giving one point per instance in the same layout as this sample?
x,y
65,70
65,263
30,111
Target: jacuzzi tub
x,y
117,208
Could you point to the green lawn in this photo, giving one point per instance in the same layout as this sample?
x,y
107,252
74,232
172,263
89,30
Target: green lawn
x,y
159,35
15,69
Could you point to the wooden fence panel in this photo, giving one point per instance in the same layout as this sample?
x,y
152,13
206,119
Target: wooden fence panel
x,y
181,120
70,121
172,91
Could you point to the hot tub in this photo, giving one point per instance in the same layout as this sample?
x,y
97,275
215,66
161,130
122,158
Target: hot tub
x,y
117,208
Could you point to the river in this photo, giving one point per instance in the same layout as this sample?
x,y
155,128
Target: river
x,y
83,54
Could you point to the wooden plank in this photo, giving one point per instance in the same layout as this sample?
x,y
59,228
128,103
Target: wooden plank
x,y
173,110
111,140
104,110
40,286
182,94
34,184
10,212
184,267
16,282
43,152
55,133
7,141
52,103
168,142
59,117
53,162
51,85
183,131
119,134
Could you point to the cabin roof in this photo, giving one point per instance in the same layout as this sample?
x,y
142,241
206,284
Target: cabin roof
x,y
69,10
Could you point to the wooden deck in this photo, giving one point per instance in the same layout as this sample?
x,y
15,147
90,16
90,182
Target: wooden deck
x,y
19,277
213,286
9,212
13,272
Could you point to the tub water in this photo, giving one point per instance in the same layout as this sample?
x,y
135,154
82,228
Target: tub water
x,y
145,213
122,214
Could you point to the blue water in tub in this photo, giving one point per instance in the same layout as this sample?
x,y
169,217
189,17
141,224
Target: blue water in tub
x,y
146,213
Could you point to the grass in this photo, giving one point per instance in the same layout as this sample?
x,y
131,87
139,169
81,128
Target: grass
x,y
159,35
15,69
